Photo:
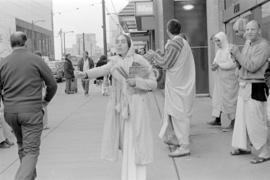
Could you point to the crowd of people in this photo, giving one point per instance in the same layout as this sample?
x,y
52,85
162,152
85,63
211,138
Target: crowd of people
x,y
242,78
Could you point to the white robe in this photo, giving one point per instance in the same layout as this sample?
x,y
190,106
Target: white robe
x,y
250,121
226,83
179,88
127,124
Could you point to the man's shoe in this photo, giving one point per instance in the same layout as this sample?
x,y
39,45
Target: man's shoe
x,y
214,123
4,145
228,128
171,142
180,152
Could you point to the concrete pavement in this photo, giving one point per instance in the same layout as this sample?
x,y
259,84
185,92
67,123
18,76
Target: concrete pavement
x,y
71,147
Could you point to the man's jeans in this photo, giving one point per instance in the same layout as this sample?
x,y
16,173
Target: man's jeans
x,y
85,85
68,86
27,128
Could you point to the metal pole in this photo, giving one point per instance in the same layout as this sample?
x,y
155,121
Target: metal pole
x,y
64,43
61,38
104,28
83,42
32,36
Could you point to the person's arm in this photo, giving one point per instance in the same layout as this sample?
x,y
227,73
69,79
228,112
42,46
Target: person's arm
x,y
228,64
47,77
256,60
95,72
172,51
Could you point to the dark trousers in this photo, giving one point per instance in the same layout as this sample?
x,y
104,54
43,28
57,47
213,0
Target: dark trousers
x,y
85,85
68,86
27,128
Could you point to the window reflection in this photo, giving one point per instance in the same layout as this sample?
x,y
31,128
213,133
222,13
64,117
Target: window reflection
x,y
266,20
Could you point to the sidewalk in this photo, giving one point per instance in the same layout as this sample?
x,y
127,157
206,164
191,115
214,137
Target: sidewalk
x,y
71,147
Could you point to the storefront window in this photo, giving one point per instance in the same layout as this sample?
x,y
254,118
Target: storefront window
x,y
266,20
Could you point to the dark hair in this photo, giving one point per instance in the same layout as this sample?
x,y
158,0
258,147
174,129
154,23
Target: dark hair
x,y
38,53
18,39
174,26
66,55
86,52
127,38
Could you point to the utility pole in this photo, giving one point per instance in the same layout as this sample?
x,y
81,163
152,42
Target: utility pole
x,y
104,28
64,42
83,42
32,36
61,38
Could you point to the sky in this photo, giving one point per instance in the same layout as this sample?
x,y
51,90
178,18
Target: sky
x,y
81,16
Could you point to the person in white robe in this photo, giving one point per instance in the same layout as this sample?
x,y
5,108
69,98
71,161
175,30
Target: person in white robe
x,y
127,124
226,83
251,120
179,64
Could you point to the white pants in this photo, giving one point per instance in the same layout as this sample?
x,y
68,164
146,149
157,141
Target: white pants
x,y
131,171
181,129
250,125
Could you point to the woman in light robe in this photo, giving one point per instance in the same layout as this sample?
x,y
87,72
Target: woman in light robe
x,y
226,83
127,125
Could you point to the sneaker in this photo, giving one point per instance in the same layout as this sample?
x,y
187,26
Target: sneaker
x,y
171,142
180,152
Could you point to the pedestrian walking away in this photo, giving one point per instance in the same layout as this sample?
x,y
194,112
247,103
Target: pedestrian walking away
x,y
21,77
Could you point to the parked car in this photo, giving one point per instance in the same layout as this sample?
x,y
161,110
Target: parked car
x,y
57,68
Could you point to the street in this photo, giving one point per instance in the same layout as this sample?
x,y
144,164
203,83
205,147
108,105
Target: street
x,y
71,147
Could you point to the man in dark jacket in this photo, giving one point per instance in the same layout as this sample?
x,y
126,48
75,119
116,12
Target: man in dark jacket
x,y
69,74
21,77
85,64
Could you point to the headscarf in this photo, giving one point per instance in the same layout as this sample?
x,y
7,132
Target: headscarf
x,y
223,53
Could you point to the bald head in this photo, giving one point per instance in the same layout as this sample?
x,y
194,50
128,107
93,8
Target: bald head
x,y
252,30
18,39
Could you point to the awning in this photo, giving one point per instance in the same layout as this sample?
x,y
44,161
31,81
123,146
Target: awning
x,y
127,17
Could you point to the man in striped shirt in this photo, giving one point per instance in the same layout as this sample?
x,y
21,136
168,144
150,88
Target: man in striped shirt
x,y
179,64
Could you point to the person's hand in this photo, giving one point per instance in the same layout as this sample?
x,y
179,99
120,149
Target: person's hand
x,y
149,55
234,51
131,82
214,66
158,51
79,74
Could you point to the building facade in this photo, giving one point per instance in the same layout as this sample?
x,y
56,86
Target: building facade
x,y
33,17
86,42
200,22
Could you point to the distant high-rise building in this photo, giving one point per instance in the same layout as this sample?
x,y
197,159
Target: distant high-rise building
x,y
88,43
